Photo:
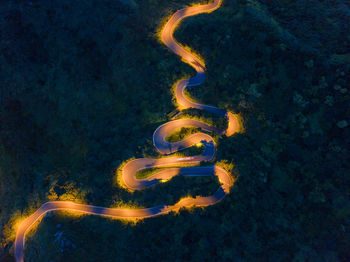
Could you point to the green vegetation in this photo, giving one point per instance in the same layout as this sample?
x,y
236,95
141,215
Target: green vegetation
x,y
142,174
182,133
205,117
341,58
191,151
84,84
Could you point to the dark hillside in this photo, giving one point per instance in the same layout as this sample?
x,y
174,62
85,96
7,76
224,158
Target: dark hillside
x,y
83,85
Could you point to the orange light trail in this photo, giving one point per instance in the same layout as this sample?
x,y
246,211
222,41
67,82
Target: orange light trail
x,y
128,171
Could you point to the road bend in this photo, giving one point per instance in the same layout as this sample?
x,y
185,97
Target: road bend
x,y
163,147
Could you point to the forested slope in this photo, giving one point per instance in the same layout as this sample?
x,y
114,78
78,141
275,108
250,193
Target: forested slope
x,y
83,85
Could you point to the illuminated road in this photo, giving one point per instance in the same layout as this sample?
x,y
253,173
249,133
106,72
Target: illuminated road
x,y
129,170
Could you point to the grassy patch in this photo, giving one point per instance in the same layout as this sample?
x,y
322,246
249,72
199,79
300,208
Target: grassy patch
x,y
181,133
142,174
191,151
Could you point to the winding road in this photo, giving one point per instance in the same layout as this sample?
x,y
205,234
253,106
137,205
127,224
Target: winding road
x,y
163,147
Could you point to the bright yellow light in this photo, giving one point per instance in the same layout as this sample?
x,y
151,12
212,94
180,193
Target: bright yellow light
x,y
125,175
235,124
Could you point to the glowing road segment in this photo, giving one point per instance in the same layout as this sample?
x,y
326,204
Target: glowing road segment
x,y
164,147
